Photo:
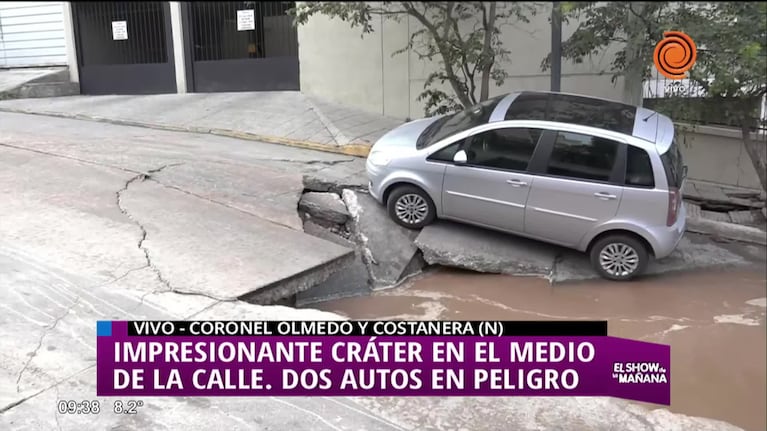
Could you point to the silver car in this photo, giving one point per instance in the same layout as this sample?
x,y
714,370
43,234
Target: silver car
x,y
589,174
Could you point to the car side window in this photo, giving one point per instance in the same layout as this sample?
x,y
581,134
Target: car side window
x,y
582,156
509,149
446,154
638,168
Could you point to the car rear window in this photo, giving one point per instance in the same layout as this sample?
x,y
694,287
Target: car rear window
x,y
638,168
672,164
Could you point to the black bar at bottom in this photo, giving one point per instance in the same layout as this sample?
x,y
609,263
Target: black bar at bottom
x,y
368,328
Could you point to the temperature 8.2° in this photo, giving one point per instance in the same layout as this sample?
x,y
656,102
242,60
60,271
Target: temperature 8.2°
x,y
130,407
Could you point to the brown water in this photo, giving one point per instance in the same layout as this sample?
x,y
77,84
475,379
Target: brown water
x,y
714,322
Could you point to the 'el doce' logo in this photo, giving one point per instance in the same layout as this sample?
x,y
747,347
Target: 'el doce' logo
x,y
675,54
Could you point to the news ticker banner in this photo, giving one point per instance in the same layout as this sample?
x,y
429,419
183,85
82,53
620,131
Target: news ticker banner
x,y
377,358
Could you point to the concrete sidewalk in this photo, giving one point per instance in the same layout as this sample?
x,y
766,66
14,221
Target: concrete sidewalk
x,y
288,117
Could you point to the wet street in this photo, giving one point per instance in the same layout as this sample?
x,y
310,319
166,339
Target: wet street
x,y
714,321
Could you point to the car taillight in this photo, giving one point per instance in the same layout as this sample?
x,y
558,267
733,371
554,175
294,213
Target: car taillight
x,y
673,206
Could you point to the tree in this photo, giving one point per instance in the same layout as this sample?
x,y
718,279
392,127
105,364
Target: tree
x,y
632,27
731,66
462,37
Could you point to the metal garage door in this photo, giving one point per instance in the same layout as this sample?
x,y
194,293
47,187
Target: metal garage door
x,y
32,34
124,47
241,46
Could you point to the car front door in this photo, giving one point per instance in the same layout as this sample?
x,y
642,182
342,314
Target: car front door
x,y
577,186
491,187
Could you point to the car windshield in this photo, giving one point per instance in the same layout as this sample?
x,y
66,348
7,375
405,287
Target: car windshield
x,y
458,122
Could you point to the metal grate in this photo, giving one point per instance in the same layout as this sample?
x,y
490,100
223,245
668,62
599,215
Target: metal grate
x,y
217,34
146,33
685,101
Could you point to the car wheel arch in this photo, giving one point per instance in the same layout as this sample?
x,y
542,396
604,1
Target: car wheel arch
x,y
394,185
621,231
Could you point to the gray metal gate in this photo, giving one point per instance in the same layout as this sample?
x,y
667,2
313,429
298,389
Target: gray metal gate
x,y
240,46
124,47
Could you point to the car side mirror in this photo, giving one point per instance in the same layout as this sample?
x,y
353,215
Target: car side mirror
x,y
460,157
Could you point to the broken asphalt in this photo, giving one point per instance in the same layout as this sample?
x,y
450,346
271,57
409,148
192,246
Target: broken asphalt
x,y
103,222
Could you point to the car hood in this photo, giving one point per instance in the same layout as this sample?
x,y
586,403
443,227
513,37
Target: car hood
x,y
404,136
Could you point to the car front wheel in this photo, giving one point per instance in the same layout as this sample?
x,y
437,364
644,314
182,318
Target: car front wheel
x,y
619,257
410,207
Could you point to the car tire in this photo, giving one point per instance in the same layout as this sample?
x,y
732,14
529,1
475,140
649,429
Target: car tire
x,y
406,204
619,257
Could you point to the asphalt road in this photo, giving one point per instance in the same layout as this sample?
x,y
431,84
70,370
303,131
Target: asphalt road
x,y
112,222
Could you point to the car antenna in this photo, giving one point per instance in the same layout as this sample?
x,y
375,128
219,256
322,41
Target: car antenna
x,y
649,116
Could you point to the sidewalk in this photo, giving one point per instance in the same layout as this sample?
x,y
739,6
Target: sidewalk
x,y
288,118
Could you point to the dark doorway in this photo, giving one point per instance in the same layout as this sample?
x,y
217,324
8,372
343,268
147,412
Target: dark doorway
x,y
241,46
124,47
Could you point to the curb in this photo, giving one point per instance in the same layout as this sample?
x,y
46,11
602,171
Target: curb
x,y
726,230
351,149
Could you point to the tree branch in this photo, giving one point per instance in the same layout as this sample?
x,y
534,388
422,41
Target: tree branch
x,y
443,50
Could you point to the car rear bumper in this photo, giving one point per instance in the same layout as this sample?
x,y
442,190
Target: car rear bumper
x,y
667,238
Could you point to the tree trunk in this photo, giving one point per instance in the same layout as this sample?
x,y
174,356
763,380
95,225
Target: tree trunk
x,y
633,75
487,53
757,151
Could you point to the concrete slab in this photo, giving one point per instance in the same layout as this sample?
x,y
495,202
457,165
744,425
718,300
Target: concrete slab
x,y
264,261
388,249
482,250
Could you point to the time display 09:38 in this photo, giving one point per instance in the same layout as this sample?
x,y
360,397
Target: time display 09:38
x,y
93,407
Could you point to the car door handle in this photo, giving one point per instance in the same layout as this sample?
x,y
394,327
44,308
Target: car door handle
x,y
605,196
516,183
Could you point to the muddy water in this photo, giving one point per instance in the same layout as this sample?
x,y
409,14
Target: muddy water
x,y
715,323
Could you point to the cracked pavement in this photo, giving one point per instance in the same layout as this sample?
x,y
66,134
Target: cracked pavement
x,y
101,222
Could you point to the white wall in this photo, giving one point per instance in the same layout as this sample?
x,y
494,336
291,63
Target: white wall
x,y
338,65
32,34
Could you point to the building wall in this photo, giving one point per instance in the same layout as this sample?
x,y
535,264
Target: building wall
x,y
32,34
340,65
717,155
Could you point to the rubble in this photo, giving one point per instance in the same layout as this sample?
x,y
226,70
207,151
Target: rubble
x,y
327,207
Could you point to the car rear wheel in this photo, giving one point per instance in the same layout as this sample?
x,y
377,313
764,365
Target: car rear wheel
x,y
619,257
410,207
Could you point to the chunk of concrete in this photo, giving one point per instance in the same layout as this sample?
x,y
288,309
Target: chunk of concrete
x,y
387,248
716,216
743,217
691,253
348,282
324,206
476,249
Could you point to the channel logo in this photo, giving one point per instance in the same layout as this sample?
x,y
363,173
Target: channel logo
x,y
675,54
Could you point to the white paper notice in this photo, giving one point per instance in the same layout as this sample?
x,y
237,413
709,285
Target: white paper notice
x,y
119,30
246,20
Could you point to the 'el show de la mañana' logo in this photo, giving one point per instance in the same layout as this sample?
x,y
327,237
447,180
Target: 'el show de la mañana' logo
x,y
675,54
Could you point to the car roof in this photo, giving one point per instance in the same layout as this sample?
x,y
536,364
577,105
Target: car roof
x,y
588,111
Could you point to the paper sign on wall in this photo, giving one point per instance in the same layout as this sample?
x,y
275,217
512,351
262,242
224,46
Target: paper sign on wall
x,y
119,30
246,20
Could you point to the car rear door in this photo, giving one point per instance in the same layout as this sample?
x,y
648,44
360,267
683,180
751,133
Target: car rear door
x,y
578,185
492,187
